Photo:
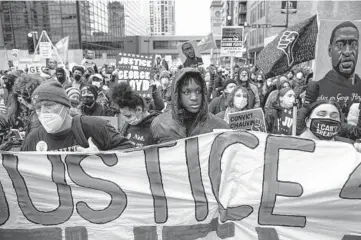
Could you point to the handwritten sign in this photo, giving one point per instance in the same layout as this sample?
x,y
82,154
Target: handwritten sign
x,y
45,49
136,70
252,119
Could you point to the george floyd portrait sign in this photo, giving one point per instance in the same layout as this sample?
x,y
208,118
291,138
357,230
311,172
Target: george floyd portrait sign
x,y
337,67
190,54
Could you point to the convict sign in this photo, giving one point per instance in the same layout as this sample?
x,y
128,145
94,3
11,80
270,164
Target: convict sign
x,y
252,119
230,185
136,70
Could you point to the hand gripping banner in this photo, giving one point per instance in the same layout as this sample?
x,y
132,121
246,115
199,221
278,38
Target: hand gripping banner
x,y
228,185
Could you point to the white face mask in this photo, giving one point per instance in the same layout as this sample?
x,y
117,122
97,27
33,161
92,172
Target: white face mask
x,y
97,84
134,120
51,122
240,103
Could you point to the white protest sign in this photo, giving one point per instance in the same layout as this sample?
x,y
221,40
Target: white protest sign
x,y
45,49
232,185
34,68
232,42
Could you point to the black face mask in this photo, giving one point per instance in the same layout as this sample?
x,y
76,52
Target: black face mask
x,y
77,77
325,129
87,100
61,78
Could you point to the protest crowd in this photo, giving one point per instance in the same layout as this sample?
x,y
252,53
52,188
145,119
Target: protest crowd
x,y
62,108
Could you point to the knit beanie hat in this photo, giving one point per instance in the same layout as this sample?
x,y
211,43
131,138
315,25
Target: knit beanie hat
x,y
72,91
93,89
283,91
50,90
229,81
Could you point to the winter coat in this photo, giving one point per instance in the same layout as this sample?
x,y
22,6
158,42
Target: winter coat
x,y
171,125
279,120
218,104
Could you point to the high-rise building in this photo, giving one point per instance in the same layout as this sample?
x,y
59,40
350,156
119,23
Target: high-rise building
x,y
137,21
216,17
162,17
95,25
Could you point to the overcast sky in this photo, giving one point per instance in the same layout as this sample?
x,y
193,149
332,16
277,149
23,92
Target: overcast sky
x,y
192,17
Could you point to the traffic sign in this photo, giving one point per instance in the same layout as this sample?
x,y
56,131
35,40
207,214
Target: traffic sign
x,y
261,25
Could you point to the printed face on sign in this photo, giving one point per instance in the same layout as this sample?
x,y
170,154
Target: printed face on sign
x,y
343,49
41,146
188,50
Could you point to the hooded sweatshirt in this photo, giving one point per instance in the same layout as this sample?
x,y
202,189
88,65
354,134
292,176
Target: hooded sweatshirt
x,y
177,123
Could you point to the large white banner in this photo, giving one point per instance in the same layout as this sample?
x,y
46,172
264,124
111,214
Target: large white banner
x,y
231,185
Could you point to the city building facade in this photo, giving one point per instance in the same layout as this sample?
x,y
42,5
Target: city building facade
x,y
137,20
95,25
162,17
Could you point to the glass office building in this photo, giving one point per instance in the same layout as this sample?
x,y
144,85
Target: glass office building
x,y
95,25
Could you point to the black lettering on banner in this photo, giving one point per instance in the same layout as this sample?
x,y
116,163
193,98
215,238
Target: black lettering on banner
x,y
195,179
273,188
191,232
352,187
267,233
351,237
76,233
154,173
220,144
4,207
118,201
53,233
145,232
59,215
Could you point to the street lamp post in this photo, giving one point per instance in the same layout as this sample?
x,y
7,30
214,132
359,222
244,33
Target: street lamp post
x,y
229,18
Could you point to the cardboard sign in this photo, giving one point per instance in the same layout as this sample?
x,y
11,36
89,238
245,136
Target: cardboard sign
x,y
232,41
190,55
45,49
230,185
112,120
252,119
137,70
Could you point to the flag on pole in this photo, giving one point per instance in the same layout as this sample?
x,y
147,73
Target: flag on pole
x,y
292,46
62,47
207,43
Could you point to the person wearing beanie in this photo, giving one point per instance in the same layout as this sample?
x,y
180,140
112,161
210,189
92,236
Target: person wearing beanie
x,y
279,120
59,131
244,81
89,105
74,96
282,82
189,115
218,104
